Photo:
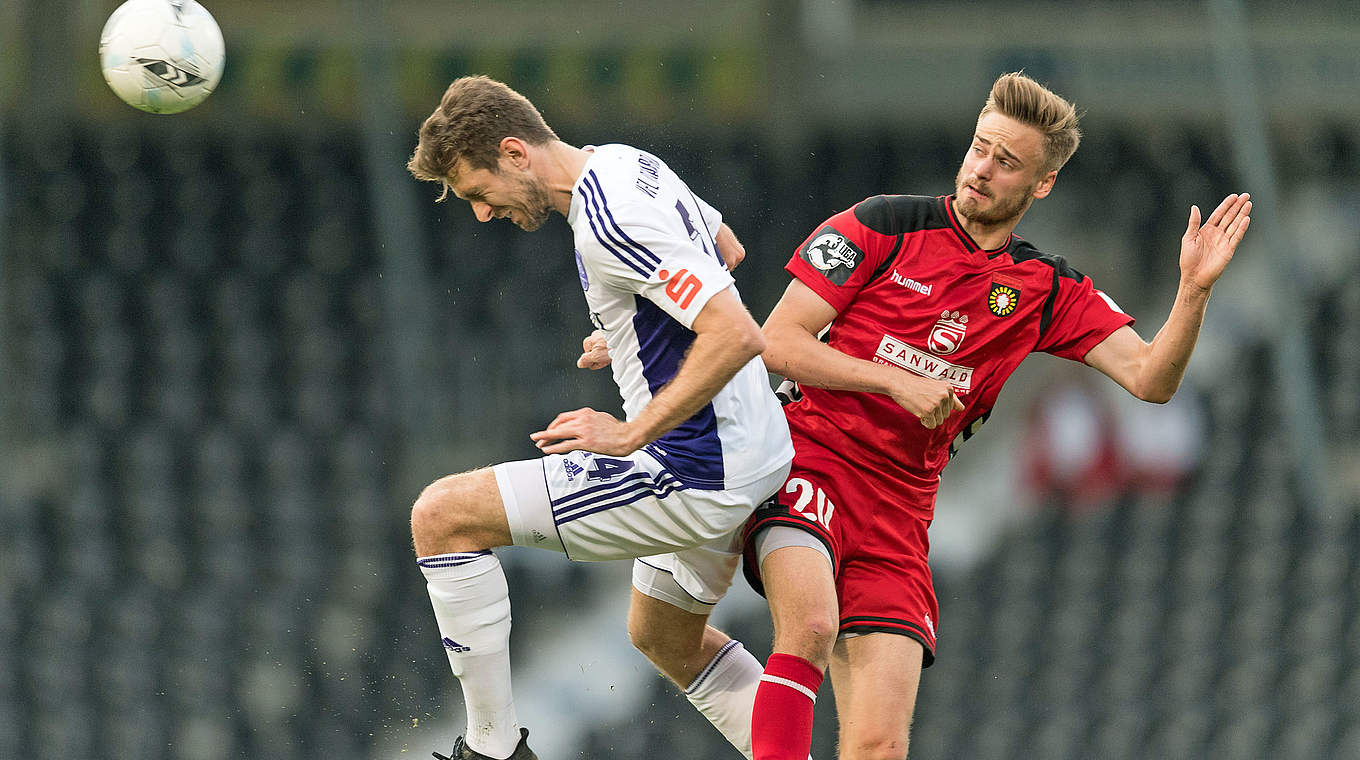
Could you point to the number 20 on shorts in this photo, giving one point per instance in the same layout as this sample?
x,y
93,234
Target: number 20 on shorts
x,y
807,494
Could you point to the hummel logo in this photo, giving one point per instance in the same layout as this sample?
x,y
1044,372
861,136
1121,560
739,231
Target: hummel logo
x,y
539,537
170,73
454,646
909,283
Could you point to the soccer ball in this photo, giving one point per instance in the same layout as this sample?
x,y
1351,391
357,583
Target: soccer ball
x,y
162,56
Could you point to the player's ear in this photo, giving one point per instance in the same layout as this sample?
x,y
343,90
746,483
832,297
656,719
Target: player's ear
x,y
1045,185
514,151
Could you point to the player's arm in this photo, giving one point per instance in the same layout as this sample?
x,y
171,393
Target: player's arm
x,y
594,349
725,339
792,349
731,249
1152,371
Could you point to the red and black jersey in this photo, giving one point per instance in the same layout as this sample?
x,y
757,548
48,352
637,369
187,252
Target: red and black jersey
x,y
911,289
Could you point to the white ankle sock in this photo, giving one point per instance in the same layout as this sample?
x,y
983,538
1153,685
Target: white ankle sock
x,y
725,690
472,606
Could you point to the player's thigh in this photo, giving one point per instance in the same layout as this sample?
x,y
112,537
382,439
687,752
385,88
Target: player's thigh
x,y
463,512
801,590
875,678
603,508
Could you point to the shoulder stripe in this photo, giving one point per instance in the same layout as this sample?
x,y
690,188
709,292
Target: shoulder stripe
x,y
704,224
1022,251
597,225
1046,317
637,248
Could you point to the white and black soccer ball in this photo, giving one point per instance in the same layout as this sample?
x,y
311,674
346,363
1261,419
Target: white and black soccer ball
x,y
162,56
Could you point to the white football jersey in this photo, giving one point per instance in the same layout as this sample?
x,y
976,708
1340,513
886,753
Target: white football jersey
x,y
648,264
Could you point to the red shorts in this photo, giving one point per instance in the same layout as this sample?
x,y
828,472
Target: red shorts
x,y
878,539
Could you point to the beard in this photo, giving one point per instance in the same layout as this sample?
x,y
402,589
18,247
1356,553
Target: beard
x,y
1004,209
532,212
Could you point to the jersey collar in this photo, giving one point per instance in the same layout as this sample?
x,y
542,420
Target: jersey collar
x,y
968,243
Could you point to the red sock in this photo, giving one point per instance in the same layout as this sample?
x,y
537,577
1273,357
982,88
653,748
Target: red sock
x,y
781,721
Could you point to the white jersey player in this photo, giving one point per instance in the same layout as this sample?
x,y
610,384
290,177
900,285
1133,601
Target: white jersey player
x,y
703,440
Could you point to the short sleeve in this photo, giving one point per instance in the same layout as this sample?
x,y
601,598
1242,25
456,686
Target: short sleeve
x,y
711,216
659,260
1082,317
840,257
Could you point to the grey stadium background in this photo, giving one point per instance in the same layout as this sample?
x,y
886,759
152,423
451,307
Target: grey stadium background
x,y
234,343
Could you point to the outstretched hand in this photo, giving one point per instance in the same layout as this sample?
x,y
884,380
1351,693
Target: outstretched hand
x,y
1206,250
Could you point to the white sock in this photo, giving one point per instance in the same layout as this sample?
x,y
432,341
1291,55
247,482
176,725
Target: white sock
x,y
725,690
472,606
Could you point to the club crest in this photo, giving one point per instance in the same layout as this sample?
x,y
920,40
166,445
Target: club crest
x,y
1002,299
947,334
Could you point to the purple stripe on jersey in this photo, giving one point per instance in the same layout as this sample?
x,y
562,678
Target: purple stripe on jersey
x,y
597,226
704,224
638,248
623,498
451,560
638,482
584,492
692,450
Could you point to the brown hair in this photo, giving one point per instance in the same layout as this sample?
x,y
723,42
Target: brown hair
x,y
474,115
1028,102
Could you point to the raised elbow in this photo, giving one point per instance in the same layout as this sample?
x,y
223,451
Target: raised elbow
x,y
774,347
753,342
1155,395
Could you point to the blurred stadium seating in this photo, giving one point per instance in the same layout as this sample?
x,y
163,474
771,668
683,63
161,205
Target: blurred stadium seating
x,y
203,541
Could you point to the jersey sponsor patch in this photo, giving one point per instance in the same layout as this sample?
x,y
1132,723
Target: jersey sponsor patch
x,y
1003,298
832,254
902,354
681,287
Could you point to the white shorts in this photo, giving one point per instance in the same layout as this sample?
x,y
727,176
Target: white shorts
x,y
591,507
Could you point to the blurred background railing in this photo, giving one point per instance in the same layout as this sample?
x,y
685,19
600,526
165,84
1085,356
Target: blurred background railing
x,y
234,343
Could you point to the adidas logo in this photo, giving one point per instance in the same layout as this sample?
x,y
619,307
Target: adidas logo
x,y
454,646
573,469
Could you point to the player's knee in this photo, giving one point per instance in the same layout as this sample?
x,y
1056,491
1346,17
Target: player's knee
x,y
437,516
810,636
669,652
651,642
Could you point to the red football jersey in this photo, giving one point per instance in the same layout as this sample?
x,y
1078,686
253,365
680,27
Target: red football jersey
x,y
911,289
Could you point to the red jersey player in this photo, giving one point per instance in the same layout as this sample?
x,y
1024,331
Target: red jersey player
x,y
931,304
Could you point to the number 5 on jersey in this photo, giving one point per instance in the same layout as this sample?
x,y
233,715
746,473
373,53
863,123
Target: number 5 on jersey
x,y
807,494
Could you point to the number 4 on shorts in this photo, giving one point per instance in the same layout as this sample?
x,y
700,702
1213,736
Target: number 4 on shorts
x,y
604,468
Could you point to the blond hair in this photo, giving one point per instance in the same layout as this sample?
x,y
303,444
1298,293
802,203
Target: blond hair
x,y
474,115
1018,96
